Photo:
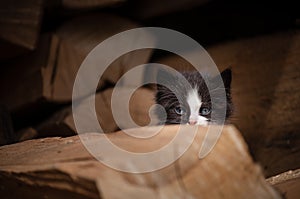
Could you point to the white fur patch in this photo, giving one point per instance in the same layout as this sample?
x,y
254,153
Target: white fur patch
x,y
194,102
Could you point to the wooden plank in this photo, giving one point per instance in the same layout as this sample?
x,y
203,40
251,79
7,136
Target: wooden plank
x,y
20,22
56,167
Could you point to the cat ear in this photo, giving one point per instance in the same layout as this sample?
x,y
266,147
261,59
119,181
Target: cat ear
x,y
226,77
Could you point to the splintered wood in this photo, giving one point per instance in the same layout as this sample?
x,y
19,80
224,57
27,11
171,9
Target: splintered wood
x,y
62,168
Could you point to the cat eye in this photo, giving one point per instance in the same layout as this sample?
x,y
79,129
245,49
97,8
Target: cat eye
x,y
204,111
180,110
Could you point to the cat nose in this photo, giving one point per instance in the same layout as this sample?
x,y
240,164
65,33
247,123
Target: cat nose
x,y
192,122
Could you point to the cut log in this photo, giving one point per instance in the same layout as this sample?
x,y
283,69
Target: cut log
x,y
287,183
61,168
78,37
25,82
62,123
265,93
48,73
20,22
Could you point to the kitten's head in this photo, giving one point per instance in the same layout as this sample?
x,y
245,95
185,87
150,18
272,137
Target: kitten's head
x,y
188,101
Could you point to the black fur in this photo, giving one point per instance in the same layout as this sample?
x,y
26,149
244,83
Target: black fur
x,y
171,99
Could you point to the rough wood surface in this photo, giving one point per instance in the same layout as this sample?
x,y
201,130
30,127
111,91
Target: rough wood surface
x,y
20,21
78,37
288,183
62,123
49,72
265,89
62,167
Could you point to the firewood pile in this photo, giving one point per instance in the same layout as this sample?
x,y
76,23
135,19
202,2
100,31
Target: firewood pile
x,y
43,43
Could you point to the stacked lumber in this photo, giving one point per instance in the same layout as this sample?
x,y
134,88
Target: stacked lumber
x,y
63,168
46,75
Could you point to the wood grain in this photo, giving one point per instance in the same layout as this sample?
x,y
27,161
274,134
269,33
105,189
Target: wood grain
x,y
56,166
47,74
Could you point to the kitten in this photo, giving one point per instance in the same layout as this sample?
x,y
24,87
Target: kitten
x,y
193,103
